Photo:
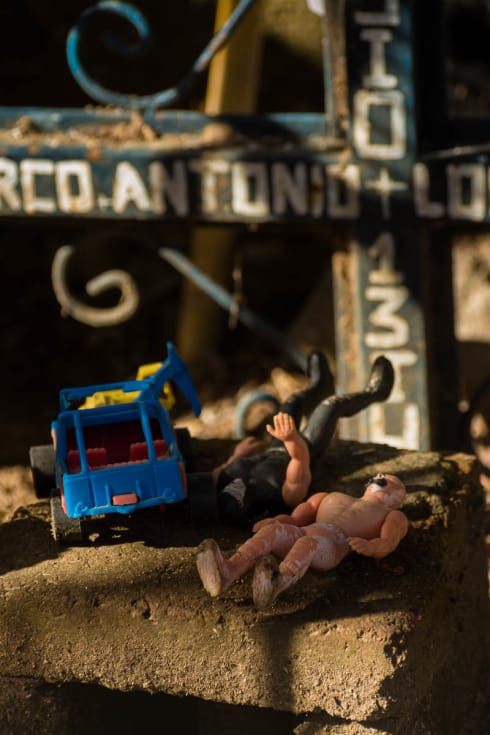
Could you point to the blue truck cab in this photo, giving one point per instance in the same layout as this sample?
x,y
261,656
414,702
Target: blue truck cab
x,y
120,456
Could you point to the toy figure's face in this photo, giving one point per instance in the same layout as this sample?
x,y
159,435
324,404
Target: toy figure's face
x,y
386,489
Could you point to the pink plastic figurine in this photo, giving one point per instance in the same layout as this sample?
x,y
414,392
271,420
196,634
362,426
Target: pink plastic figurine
x,y
319,533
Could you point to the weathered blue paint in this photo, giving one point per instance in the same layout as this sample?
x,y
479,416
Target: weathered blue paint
x,y
387,301
296,167
225,186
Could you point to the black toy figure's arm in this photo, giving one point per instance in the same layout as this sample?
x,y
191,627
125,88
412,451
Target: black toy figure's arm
x,y
244,448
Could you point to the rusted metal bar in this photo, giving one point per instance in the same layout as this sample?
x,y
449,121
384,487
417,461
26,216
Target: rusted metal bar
x,y
224,299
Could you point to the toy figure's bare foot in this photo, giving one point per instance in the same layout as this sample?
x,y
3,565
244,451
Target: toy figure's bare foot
x,y
268,582
210,567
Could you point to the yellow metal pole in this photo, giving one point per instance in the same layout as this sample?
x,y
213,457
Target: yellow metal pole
x,y
231,88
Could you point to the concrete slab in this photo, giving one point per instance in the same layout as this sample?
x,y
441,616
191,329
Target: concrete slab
x,y
392,646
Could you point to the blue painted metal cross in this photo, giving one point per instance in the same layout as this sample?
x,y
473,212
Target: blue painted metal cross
x,y
374,180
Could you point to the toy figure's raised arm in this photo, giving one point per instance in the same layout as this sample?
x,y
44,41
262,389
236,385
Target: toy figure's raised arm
x,y
298,473
394,528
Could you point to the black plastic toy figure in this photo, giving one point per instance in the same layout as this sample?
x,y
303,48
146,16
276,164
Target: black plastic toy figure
x,y
252,483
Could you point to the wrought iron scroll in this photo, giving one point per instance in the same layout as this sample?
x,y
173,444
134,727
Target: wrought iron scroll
x,y
91,315
164,99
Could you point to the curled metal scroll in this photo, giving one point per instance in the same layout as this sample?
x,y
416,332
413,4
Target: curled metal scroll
x,y
90,315
163,99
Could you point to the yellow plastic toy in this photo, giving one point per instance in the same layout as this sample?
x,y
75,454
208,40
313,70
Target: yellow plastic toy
x,y
111,397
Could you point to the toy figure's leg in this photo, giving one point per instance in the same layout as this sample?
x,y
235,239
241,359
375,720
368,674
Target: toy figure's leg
x,y
269,581
319,548
303,402
217,574
323,421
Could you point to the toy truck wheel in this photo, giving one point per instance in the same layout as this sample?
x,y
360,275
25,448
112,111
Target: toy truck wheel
x,y
42,461
201,494
184,442
65,530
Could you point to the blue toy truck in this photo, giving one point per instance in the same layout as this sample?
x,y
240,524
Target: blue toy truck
x,y
120,455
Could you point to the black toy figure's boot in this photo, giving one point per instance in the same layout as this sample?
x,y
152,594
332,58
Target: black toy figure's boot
x,y
323,421
320,385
